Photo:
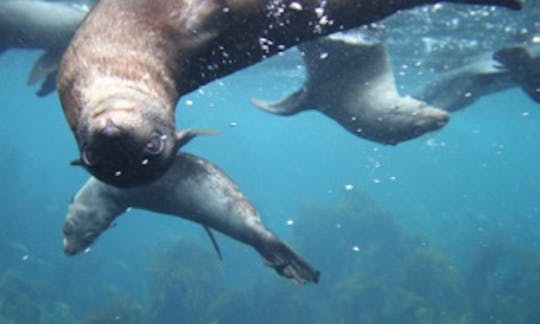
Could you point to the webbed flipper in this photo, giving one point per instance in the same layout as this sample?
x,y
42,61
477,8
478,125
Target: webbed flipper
x,y
48,85
285,261
292,104
214,242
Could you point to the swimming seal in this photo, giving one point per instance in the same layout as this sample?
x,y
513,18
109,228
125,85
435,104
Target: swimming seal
x,y
131,60
492,72
36,24
524,66
351,81
193,189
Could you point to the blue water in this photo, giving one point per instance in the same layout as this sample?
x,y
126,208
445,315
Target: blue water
x,y
440,229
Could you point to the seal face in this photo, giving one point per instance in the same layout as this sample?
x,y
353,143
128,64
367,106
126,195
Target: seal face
x,y
122,144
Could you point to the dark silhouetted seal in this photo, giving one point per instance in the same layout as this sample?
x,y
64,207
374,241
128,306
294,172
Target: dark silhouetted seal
x,y
193,189
37,24
352,82
523,65
513,66
131,60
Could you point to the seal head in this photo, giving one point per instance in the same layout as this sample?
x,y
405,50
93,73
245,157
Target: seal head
x,y
124,144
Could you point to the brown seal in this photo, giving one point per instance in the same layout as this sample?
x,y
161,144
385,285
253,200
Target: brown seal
x,y
131,60
351,81
194,189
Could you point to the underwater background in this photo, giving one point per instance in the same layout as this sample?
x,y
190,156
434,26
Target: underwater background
x,y
440,229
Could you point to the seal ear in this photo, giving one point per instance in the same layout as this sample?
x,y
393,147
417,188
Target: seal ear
x,y
76,162
184,136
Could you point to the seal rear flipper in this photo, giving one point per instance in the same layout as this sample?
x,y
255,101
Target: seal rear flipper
x,y
292,104
286,262
48,85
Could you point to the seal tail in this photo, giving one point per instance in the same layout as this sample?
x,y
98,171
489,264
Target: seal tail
x,y
292,104
286,262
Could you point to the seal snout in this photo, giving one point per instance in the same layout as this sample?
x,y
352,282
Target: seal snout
x,y
110,129
437,117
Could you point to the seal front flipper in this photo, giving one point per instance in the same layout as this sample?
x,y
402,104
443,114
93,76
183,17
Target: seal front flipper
x,y
45,69
293,104
186,135
214,242
285,261
48,85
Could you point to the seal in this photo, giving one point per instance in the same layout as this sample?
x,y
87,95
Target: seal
x,y
193,189
351,81
37,24
130,61
523,65
489,73
459,88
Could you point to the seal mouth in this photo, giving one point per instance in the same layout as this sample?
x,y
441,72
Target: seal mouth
x,y
102,110
68,250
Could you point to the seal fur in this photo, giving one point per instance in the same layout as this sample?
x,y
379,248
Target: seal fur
x,y
131,60
352,82
193,189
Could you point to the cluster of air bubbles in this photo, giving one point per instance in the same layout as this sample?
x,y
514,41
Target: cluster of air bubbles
x,y
432,142
276,8
322,17
189,103
499,148
265,44
118,173
289,222
348,187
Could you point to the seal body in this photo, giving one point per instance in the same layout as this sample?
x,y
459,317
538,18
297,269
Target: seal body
x,y
193,189
508,67
351,82
37,24
459,88
130,61
523,65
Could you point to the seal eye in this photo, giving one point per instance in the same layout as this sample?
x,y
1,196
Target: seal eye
x,y
88,157
155,145
69,228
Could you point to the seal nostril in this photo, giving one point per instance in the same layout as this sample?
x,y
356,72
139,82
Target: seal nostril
x,y
110,129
